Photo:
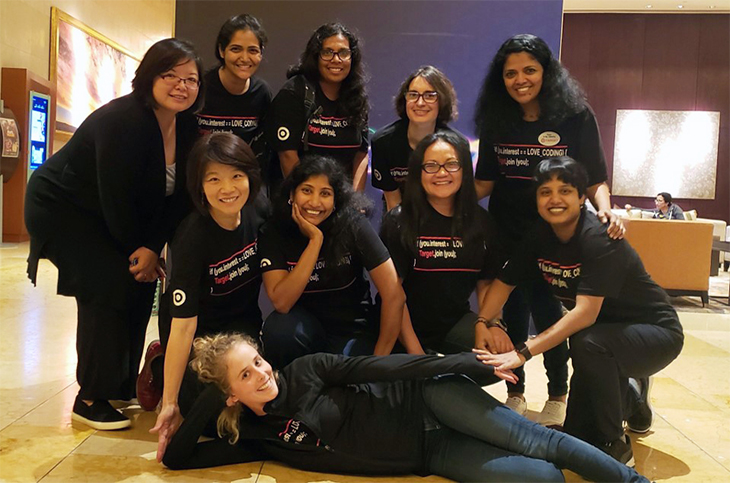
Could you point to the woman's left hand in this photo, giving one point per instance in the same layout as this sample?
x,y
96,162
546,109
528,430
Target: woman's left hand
x,y
616,228
143,265
501,362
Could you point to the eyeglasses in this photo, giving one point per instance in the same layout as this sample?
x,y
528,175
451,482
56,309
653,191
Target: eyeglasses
x,y
172,79
329,54
428,96
433,167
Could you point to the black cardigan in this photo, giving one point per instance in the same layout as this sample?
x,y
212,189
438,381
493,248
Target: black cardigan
x,y
368,412
110,177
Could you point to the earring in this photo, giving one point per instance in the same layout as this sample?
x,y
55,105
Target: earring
x,y
289,201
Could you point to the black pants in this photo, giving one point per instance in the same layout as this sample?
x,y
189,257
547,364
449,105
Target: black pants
x,y
537,300
109,344
604,356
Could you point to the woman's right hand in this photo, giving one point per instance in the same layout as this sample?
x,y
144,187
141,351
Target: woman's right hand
x,y
143,265
308,229
168,422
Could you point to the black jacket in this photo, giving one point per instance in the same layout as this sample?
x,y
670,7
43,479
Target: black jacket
x,y
367,414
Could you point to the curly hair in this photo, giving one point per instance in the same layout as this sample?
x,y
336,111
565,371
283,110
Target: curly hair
x,y
224,148
441,84
353,95
560,96
209,362
349,205
415,203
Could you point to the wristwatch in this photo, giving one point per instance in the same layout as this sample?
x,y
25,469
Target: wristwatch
x,y
523,350
492,323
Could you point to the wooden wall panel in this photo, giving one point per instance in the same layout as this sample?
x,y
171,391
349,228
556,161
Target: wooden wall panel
x,y
650,61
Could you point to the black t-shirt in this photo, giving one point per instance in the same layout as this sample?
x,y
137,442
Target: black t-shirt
x,y
241,115
442,275
337,293
510,161
330,132
391,153
216,274
591,263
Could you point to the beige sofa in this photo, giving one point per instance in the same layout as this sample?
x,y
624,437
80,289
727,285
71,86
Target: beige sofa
x,y
675,253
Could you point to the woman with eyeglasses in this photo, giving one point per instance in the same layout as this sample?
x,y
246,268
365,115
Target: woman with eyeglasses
x,y
235,99
425,103
323,108
102,208
440,240
529,109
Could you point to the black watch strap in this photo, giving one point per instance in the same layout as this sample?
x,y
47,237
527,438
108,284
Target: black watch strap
x,y
524,351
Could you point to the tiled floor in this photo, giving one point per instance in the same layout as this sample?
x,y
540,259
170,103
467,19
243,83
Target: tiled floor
x,y
39,442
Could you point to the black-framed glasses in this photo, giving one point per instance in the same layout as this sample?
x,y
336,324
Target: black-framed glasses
x,y
172,79
428,96
432,167
329,54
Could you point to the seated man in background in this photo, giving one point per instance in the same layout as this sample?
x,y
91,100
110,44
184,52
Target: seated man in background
x,y
665,209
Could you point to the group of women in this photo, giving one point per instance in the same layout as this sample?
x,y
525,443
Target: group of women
x,y
110,199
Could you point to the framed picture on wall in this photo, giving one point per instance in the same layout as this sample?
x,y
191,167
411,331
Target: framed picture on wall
x,y
88,69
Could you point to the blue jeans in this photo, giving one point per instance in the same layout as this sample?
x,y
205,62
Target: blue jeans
x,y
286,337
538,300
482,440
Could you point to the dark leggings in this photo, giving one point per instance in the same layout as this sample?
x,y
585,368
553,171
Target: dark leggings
x,y
479,439
297,333
546,310
604,356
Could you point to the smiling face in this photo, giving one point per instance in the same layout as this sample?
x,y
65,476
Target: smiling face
x,y
442,185
315,198
250,378
242,55
335,70
522,76
559,204
226,189
174,95
420,111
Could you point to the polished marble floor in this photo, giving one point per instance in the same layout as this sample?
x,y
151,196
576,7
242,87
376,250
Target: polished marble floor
x,y
39,442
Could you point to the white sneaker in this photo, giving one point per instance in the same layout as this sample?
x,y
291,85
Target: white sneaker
x,y
553,414
517,404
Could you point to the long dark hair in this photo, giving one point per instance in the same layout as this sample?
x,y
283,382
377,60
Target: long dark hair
x,y
349,205
560,96
415,206
353,96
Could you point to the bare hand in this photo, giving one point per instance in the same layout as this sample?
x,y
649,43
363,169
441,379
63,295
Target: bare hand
x,y
616,229
143,265
168,422
492,339
308,229
502,362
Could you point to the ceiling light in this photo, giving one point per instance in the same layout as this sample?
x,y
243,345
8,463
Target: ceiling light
x,y
648,6
680,6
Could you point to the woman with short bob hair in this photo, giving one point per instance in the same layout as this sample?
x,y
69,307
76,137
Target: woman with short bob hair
x,y
106,203
373,416
215,280
313,255
236,100
620,323
425,103
323,107
442,244
529,109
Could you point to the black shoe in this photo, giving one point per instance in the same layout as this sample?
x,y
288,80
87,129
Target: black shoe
x,y
641,417
100,415
620,450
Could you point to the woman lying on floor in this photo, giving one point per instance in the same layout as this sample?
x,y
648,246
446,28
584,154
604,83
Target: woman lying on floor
x,y
390,415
